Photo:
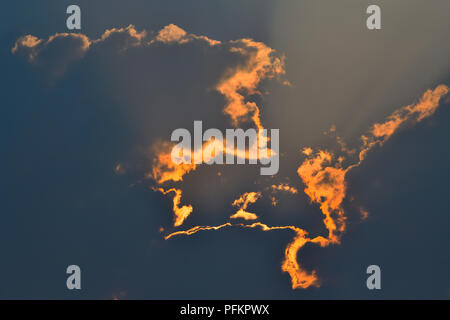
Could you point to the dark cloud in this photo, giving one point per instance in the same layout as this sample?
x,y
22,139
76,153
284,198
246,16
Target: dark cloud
x,y
114,96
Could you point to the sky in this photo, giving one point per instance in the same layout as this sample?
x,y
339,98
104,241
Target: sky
x,y
363,180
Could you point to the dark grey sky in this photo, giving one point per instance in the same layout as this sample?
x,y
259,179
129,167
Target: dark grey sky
x,y
61,202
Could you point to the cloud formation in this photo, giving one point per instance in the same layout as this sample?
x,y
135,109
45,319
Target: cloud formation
x,y
324,177
322,173
238,80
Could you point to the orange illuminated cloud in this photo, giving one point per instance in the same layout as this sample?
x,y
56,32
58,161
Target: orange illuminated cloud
x,y
164,169
325,185
299,277
73,46
414,113
284,187
241,213
324,178
243,202
121,39
171,33
364,213
307,151
181,213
